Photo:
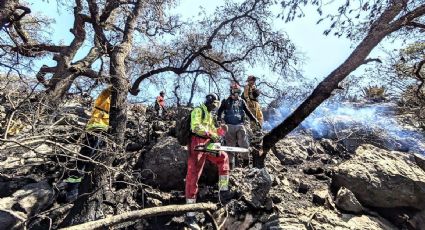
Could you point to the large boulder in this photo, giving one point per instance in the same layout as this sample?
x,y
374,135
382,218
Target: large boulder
x,y
165,164
295,150
384,179
11,220
254,184
322,218
418,221
347,201
24,203
10,185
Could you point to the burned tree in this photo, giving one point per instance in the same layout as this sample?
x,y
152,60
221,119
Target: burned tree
x,y
126,37
11,12
237,35
26,42
386,18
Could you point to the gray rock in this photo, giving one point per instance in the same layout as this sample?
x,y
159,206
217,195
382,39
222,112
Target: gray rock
x,y
285,223
257,226
420,161
259,184
24,203
320,196
332,148
347,201
165,165
418,221
33,198
293,151
324,218
381,178
10,185
2,113
10,220
303,187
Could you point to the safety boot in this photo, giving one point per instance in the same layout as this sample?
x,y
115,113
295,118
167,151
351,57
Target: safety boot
x,y
191,223
225,196
190,219
72,184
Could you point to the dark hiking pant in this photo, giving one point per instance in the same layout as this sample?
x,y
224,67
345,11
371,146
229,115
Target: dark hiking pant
x,y
91,144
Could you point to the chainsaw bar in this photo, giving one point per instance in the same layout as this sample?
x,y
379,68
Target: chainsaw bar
x,y
203,148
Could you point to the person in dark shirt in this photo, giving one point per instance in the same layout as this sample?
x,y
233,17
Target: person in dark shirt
x,y
234,110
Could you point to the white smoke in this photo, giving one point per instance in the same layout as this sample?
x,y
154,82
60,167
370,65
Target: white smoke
x,y
338,120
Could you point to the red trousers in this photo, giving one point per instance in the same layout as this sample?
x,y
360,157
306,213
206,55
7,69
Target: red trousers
x,y
196,162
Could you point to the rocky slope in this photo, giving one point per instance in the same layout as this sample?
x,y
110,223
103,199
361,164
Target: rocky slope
x,y
307,183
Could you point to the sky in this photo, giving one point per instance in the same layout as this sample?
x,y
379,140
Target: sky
x,y
322,54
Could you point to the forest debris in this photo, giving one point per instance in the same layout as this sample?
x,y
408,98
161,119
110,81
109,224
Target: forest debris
x,y
148,212
24,203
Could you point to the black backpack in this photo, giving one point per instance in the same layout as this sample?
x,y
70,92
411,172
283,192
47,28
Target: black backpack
x,y
183,131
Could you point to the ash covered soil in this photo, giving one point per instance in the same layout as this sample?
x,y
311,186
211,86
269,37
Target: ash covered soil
x,y
308,183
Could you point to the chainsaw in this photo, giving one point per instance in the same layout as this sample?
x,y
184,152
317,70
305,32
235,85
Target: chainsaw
x,y
217,147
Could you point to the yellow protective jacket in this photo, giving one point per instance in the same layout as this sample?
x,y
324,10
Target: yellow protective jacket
x,y
100,116
202,127
255,109
253,105
247,93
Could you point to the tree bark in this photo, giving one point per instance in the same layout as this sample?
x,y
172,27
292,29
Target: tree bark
x,y
7,11
118,112
176,95
379,30
92,190
59,85
192,90
66,73
119,79
144,213
90,207
63,77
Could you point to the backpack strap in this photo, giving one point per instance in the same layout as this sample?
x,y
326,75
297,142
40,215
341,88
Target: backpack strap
x,y
203,114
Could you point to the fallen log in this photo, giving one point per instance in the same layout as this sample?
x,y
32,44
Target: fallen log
x,y
148,212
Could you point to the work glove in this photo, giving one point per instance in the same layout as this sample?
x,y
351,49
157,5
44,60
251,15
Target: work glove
x,y
215,138
207,134
213,149
221,132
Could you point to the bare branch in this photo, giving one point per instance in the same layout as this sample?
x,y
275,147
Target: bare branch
x,y
188,60
416,24
372,60
144,213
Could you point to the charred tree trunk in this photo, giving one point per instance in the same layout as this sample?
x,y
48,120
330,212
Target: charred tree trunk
x,y
8,12
192,90
382,27
59,85
119,81
90,204
176,94
90,207
65,73
96,187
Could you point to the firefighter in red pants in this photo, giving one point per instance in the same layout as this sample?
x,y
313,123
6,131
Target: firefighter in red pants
x,y
203,132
